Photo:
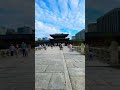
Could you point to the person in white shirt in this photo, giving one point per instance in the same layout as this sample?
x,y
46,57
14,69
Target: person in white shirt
x,y
12,49
70,47
40,47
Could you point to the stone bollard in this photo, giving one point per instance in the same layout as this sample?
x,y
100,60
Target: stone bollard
x,y
114,53
82,48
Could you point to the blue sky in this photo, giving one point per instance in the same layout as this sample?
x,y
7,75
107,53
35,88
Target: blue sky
x,y
53,16
59,16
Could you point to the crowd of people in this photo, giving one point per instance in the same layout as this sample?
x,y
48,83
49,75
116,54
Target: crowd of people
x,y
15,50
44,46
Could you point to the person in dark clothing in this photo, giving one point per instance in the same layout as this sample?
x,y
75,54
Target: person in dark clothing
x,y
90,55
23,47
52,46
61,47
45,46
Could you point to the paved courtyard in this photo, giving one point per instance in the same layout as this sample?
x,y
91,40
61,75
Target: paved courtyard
x,y
17,73
101,76
59,69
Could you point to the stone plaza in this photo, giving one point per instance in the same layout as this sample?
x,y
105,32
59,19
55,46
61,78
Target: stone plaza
x,y
17,73
59,69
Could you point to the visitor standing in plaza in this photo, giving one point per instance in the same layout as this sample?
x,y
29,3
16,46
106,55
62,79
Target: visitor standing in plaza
x,y
45,46
61,46
51,46
90,54
40,46
70,46
16,50
12,49
23,47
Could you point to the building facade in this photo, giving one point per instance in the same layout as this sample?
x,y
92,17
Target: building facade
x,y
59,38
11,31
8,39
25,30
3,30
108,28
80,35
73,38
92,27
45,38
109,22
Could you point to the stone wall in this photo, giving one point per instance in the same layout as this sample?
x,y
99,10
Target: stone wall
x,y
109,55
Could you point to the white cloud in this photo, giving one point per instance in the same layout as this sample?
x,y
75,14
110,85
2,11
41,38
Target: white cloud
x,y
61,14
45,29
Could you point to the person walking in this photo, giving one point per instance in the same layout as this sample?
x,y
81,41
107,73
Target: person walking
x,y
17,50
23,47
61,47
40,47
45,46
90,54
51,46
70,46
12,49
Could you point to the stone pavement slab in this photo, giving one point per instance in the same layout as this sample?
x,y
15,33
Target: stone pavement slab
x,y
16,75
78,82
59,69
106,78
42,80
76,71
55,68
76,68
57,81
49,70
40,68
